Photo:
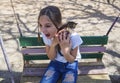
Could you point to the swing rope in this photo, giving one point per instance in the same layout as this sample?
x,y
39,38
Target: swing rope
x,y
6,60
3,49
112,25
14,13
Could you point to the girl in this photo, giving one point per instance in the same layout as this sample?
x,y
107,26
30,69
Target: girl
x,y
62,48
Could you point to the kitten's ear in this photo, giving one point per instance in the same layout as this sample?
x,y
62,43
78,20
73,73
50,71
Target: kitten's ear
x,y
72,25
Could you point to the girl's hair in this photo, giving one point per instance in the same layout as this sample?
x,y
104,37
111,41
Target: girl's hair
x,y
53,13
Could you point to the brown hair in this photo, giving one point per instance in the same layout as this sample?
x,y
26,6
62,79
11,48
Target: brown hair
x,y
53,13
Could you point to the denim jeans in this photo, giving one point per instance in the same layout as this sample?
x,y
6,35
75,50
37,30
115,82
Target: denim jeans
x,y
56,70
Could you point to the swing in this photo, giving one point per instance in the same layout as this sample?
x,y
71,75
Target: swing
x,y
93,47
6,60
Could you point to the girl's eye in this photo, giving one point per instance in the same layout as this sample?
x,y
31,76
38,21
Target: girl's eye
x,y
48,26
45,26
40,25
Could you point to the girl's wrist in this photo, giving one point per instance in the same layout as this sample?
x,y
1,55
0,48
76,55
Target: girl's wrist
x,y
66,53
53,45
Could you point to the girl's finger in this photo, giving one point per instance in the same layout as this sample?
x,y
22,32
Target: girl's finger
x,y
68,36
61,31
64,35
60,37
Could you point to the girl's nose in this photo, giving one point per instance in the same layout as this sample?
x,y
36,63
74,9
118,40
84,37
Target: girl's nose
x,y
43,29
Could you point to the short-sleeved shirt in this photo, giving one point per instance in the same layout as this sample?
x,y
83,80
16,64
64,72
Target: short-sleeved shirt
x,y
75,40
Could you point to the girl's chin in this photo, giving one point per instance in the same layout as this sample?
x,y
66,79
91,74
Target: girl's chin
x,y
49,37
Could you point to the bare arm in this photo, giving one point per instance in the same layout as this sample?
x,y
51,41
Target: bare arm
x,y
65,45
51,50
70,56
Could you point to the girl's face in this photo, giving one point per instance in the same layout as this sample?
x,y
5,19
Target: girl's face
x,y
47,27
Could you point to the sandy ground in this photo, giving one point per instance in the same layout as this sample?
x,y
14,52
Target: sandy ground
x,y
94,17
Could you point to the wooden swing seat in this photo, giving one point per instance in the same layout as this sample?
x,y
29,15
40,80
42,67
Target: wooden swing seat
x,y
91,67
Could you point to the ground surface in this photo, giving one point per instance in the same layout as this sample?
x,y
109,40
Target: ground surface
x,y
94,17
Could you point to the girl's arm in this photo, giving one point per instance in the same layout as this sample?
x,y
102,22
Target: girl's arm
x,y
71,56
51,50
65,44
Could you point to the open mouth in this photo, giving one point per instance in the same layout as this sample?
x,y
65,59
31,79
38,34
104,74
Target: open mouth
x,y
47,35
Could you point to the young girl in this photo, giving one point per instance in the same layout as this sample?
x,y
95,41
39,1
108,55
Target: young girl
x,y
62,48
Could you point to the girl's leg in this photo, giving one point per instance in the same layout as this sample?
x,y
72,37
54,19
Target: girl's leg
x,y
70,76
51,75
78,70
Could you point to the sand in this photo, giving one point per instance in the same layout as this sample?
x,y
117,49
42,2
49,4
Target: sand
x,y
94,17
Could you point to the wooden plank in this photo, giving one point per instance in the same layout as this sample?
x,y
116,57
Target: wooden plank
x,y
104,78
33,50
91,55
100,78
35,57
39,53
90,63
33,71
94,40
30,41
87,40
96,69
44,63
82,49
45,57
92,49
30,79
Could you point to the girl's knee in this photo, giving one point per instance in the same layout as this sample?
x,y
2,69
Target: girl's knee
x,y
49,74
69,78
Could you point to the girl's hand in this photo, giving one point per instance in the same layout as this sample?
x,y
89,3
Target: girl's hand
x,y
64,41
55,40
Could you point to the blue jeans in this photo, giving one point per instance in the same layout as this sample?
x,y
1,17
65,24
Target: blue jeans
x,y
56,70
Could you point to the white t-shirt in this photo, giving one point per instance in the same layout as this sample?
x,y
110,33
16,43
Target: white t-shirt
x,y
75,40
